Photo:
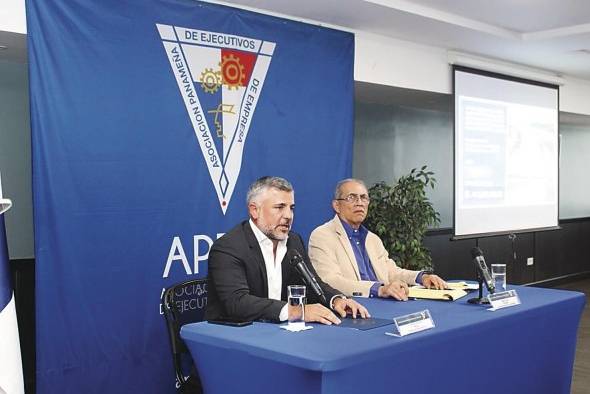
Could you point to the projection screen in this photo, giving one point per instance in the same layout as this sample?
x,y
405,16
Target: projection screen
x,y
506,154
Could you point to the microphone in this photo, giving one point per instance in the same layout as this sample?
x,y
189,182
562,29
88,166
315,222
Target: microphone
x,y
482,269
296,261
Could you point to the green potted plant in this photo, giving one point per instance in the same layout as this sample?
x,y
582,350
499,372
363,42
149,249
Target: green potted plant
x,y
400,216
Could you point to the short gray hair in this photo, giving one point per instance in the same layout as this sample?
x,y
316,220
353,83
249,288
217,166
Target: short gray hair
x,y
265,183
338,189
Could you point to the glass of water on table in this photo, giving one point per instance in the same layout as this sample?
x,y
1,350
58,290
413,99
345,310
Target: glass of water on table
x,y
296,301
499,276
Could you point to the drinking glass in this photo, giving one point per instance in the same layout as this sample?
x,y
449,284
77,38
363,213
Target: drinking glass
x,y
296,301
499,275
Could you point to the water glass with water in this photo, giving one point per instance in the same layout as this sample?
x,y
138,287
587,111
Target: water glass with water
x,y
296,301
499,276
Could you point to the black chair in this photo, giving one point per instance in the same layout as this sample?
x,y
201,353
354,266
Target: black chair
x,y
184,303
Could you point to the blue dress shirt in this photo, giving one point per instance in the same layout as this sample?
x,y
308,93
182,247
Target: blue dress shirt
x,y
357,238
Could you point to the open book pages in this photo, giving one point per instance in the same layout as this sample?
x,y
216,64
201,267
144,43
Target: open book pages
x,y
431,294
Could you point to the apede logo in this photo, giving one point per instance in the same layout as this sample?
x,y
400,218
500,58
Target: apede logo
x,y
220,77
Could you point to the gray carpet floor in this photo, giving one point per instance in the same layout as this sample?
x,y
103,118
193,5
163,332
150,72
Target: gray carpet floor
x,y
581,379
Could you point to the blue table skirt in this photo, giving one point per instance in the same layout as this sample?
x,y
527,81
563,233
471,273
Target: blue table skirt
x,y
524,349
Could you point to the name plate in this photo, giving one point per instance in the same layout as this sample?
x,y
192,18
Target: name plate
x,y
412,323
503,299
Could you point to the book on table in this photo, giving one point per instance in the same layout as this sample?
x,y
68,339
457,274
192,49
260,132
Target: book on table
x,y
432,294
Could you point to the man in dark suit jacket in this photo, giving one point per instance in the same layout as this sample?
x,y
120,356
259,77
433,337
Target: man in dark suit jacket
x,y
248,268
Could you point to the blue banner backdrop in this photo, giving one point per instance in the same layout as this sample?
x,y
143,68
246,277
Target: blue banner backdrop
x,y
149,121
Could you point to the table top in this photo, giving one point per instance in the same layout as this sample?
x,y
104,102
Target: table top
x,y
329,348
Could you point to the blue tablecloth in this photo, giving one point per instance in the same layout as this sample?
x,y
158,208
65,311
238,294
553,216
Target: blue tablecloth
x,y
524,349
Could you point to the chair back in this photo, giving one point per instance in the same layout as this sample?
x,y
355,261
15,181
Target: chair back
x,y
184,303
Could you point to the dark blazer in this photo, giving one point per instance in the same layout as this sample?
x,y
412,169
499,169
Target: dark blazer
x,y
238,287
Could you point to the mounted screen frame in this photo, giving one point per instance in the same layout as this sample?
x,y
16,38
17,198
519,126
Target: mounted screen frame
x,y
494,171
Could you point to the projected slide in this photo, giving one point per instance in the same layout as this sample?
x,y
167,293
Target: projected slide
x,y
506,155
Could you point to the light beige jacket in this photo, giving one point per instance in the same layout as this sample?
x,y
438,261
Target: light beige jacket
x,y
332,256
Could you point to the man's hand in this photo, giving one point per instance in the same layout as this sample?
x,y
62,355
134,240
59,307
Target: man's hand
x,y
431,281
321,314
347,305
396,289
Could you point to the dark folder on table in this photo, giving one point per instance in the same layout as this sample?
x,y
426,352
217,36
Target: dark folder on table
x,y
364,324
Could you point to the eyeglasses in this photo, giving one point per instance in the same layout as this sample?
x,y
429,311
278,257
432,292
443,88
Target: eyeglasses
x,y
352,198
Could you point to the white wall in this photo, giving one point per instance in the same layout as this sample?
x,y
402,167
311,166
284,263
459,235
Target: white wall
x,y
575,96
12,16
392,62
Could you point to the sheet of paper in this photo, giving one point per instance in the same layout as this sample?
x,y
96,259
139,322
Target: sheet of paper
x,y
295,328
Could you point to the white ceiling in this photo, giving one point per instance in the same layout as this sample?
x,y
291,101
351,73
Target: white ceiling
x,y
552,35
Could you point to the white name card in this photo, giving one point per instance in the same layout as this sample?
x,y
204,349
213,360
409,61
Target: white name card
x,y
412,323
503,299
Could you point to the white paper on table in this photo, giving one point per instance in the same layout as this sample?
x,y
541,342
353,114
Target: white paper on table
x,y
296,328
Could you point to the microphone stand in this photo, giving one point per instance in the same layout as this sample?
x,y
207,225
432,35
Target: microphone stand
x,y
479,300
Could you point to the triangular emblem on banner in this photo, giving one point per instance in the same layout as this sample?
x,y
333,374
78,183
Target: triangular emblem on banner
x,y
220,77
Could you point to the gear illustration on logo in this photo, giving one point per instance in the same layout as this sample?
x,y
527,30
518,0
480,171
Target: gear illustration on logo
x,y
210,80
232,71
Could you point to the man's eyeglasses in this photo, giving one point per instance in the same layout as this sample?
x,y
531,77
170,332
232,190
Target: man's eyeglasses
x,y
352,198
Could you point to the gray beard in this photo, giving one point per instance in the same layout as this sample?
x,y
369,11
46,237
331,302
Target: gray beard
x,y
271,236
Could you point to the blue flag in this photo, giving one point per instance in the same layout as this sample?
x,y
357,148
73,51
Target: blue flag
x,y
11,372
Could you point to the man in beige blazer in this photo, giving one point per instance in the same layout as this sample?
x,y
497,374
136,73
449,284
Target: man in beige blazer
x,y
352,259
